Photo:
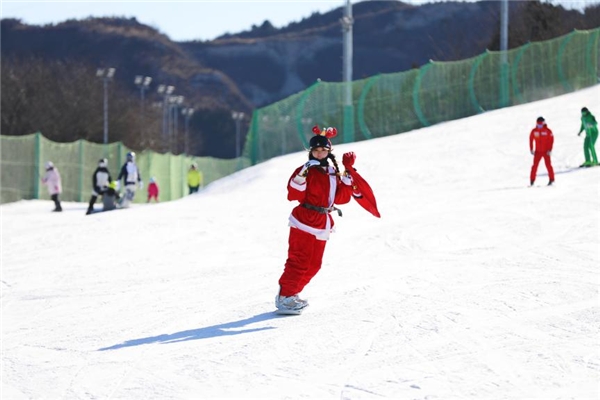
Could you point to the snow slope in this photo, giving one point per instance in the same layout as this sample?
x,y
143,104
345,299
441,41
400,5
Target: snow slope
x,y
472,285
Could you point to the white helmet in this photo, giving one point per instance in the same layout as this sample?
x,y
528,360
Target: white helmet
x,y
49,165
103,162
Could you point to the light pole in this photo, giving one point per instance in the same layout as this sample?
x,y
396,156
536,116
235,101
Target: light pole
x,y
142,82
503,52
187,113
306,121
176,106
174,103
347,21
284,119
106,74
237,117
165,91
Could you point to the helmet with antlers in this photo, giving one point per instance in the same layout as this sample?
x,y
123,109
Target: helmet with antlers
x,y
321,138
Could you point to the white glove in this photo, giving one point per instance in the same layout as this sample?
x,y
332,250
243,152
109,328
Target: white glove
x,y
532,152
549,153
141,184
309,163
117,185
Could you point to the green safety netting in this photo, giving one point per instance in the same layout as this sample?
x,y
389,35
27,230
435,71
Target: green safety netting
x,y
378,106
389,104
23,159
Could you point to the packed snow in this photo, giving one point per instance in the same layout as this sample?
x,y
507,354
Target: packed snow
x,y
472,285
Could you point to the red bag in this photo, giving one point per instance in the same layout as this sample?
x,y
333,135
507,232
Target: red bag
x,y
367,201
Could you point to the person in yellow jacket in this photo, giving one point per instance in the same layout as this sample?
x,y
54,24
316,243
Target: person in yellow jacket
x,y
194,178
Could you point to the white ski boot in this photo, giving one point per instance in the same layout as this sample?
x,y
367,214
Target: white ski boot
x,y
290,304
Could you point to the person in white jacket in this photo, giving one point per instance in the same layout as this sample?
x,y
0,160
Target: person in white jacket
x,y
52,181
130,174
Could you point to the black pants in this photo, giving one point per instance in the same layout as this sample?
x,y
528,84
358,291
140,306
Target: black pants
x,y
193,189
91,205
57,206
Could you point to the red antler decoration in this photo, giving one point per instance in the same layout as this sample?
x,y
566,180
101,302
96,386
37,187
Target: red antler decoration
x,y
330,132
327,132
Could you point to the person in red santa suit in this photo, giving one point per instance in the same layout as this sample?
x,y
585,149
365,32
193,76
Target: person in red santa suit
x,y
541,141
318,186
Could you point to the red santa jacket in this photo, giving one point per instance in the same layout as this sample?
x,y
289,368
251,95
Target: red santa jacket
x,y
543,138
321,188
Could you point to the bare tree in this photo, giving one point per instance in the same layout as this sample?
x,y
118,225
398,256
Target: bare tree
x,y
64,101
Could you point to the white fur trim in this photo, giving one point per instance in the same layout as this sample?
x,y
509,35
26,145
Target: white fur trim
x,y
332,186
299,183
346,180
321,234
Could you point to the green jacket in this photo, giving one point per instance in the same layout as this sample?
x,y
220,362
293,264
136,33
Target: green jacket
x,y
588,122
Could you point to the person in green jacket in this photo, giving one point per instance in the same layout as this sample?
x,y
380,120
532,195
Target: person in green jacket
x,y
194,178
589,124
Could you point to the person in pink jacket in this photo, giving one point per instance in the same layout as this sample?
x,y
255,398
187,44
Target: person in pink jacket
x,y
52,181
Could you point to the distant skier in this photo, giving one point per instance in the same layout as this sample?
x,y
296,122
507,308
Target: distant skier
x,y
589,124
153,190
194,178
543,139
131,178
100,180
54,184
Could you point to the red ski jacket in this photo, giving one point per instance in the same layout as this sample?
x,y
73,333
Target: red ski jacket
x,y
321,188
543,139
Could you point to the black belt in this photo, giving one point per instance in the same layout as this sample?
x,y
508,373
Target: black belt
x,y
322,210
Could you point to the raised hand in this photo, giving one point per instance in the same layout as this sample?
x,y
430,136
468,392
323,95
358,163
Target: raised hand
x,y
307,165
348,160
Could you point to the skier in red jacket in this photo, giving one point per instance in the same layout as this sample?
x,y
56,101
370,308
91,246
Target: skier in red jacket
x,y
543,138
152,190
318,186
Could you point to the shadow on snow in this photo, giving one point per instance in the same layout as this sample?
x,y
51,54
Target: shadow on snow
x,y
225,329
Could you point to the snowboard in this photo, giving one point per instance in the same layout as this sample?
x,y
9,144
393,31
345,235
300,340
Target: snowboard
x,y
541,185
289,312
98,211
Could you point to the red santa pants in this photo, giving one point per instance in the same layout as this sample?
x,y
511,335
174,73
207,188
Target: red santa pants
x,y
536,160
305,255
